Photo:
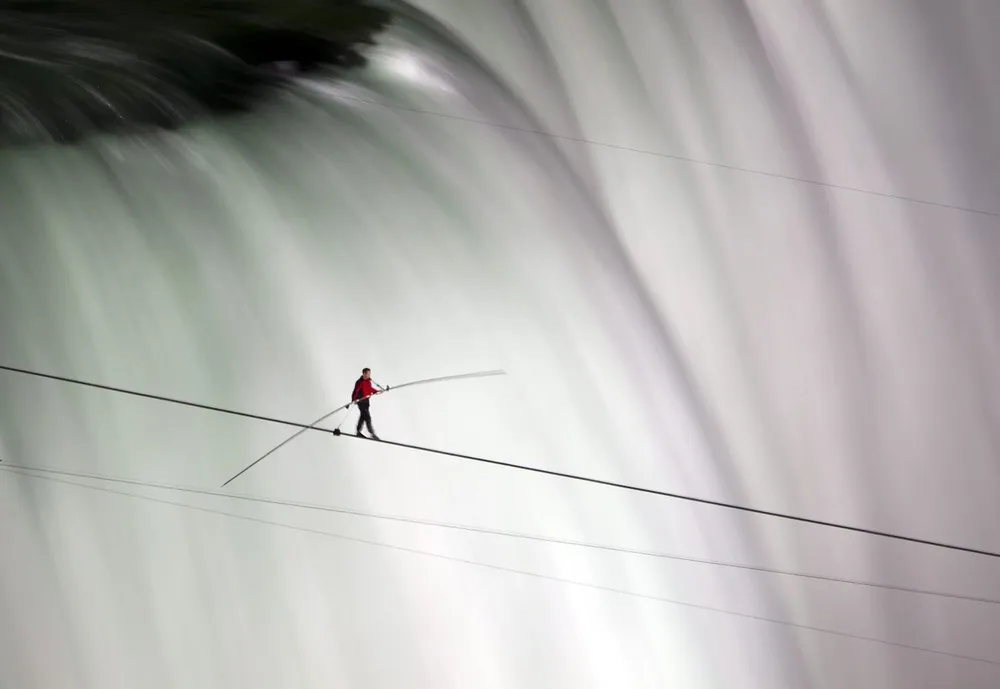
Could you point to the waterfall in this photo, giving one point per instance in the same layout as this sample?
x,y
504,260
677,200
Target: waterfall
x,y
734,249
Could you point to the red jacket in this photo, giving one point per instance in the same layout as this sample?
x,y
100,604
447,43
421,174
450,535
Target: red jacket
x,y
363,389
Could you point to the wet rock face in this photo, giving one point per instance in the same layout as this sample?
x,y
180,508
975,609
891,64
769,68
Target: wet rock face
x,y
267,46
71,69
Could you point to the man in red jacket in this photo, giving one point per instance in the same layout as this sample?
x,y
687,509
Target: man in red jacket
x,y
364,388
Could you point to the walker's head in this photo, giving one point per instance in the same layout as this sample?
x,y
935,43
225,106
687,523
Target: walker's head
x,y
366,373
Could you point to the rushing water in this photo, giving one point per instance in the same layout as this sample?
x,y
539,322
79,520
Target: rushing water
x,y
757,263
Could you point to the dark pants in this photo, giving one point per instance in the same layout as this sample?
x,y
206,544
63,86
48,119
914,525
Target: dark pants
x,y
365,418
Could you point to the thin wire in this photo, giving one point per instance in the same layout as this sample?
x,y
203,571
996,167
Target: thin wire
x,y
293,436
671,156
508,534
549,472
159,398
678,496
536,575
